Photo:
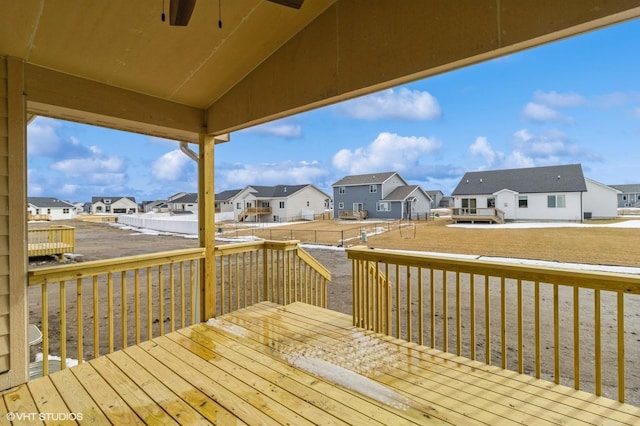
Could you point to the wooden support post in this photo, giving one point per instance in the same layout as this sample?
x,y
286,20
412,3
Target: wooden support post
x,y
206,221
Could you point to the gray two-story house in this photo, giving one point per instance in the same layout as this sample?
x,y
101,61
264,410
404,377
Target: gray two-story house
x,y
379,195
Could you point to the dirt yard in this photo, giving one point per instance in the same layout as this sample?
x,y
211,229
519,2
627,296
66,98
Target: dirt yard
x,y
606,246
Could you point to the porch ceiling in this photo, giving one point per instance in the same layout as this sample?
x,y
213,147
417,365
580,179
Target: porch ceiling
x,y
115,63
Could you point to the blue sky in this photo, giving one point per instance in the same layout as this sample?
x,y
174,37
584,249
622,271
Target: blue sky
x,y
573,101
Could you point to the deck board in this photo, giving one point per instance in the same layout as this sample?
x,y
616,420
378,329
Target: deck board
x,y
454,384
243,370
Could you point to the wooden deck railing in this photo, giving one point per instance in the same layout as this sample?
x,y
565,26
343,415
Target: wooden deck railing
x,y
486,214
577,328
275,271
89,309
52,241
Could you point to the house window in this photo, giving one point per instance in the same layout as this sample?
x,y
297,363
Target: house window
x,y
555,201
238,206
264,204
491,202
65,211
307,204
342,190
108,209
341,205
523,201
282,204
37,211
383,206
373,188
48,211
276,218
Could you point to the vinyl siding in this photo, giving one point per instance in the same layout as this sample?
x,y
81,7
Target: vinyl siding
x,y
4,221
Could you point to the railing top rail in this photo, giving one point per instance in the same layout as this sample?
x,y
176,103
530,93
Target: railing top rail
x,y
96,267
626,283
227,249
322,270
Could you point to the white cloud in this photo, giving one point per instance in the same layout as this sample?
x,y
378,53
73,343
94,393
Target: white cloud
x,y
482,148
401,104
42,136
237,176
560,100
171,166
549,148
278,129
76,167
387,152
538,112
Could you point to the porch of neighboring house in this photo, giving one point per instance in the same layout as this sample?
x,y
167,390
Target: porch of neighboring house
x,y
55,240
429,341
473,215
353,214
251,212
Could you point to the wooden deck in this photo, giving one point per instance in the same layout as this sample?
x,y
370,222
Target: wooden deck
x,y
259,365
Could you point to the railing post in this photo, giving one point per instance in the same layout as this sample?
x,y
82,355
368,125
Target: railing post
x,y
206,211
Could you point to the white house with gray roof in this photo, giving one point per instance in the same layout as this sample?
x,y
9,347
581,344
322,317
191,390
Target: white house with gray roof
x,y
53,208
381,195
280,203
552,193
113,205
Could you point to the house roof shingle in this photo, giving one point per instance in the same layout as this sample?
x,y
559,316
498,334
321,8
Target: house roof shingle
x,y
401,193
101,199
277,191
564,178
627,188
48,202
227,195
189,197
368,179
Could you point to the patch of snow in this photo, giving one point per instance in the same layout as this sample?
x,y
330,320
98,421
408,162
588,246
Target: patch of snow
x,y
70,361
533,225
347,362
350,380
227,326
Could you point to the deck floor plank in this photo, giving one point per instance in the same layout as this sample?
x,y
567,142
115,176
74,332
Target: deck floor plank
x,y
309,387
249,406
185,386
536,404
168,393
20,402
112,405
246,369
48,400
144,406
566,402
254,376
76,397
449,398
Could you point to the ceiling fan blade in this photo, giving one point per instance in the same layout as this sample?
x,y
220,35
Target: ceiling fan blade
x,y
296,4
180,12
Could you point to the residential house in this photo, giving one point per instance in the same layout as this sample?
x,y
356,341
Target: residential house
x,y
436,198
113,205
379,195
552,193
629,195
158,206
184,202
280,203
224,200
52,208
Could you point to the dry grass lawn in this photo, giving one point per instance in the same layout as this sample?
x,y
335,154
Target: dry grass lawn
x,y
600,246
594,245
